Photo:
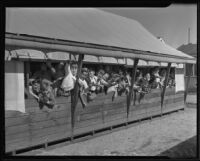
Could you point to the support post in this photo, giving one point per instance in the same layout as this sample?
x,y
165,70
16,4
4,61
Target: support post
x,y
134,69
165,85
187,83
75,92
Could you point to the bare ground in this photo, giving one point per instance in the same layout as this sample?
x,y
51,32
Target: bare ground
x,y
145,139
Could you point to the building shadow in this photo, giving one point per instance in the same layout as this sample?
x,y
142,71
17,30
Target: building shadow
x,y
186,149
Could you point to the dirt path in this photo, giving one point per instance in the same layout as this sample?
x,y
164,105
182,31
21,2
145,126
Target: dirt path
x,y
146,139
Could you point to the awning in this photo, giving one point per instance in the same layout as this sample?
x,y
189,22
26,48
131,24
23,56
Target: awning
x,y
28,54
112,60
7,55
94,32
92,59
59,56
130,62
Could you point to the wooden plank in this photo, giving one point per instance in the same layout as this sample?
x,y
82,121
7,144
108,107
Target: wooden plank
x,y
32,134
179,99
26,117
51,137
49,116
152,113
109,113
13,130
137,117
16,129
9,114
22,144
16,121
50,130
173,107
36,109
28,142
155,108
22,121
17,136
78,131
33,111
88,123
31,102
116,121
98,107
87,116
100,126
144,105
115,117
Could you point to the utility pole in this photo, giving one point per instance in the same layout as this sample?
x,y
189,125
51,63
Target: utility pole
x,y
188,35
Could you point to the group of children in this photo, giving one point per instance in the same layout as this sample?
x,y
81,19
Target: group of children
x,y
60,81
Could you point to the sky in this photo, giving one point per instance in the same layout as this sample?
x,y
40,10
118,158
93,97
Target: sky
x,y
170,23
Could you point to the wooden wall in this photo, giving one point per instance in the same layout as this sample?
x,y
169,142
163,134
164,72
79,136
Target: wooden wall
x,y
39,126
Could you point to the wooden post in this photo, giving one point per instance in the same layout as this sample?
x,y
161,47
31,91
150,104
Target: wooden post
x,y
187,83
75,92
165,85
134,97
134,69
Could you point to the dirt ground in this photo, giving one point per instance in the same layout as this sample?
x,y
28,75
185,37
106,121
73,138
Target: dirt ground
x,y
145,139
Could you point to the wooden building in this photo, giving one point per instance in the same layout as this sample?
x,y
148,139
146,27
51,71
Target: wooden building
x,y
190,49
88,36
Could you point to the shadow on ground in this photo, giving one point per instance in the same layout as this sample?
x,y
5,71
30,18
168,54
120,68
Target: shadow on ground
x,y
186,149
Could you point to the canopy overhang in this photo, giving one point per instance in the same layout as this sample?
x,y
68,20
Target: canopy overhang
x,y
91,49
28,54
7,55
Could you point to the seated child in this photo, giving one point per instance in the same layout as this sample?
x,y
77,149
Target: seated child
x,y
34,88
43,92
144,83
155,80
136,85
100,81
92,83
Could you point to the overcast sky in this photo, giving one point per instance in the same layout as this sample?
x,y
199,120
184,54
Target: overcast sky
x,y
170,23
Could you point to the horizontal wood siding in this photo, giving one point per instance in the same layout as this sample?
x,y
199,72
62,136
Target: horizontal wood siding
x,y
39,126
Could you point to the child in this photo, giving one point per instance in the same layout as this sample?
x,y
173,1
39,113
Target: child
x,y
69,81
162,78
144,84
155,80
92,82
42,91
171,82
34,88
46,96
100,81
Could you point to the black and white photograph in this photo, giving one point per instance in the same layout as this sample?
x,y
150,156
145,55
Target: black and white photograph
x,y
104,81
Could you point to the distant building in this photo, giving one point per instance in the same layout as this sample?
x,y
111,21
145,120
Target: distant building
x,y
190,49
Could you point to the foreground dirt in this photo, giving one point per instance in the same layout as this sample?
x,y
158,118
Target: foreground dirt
x,y
145,139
